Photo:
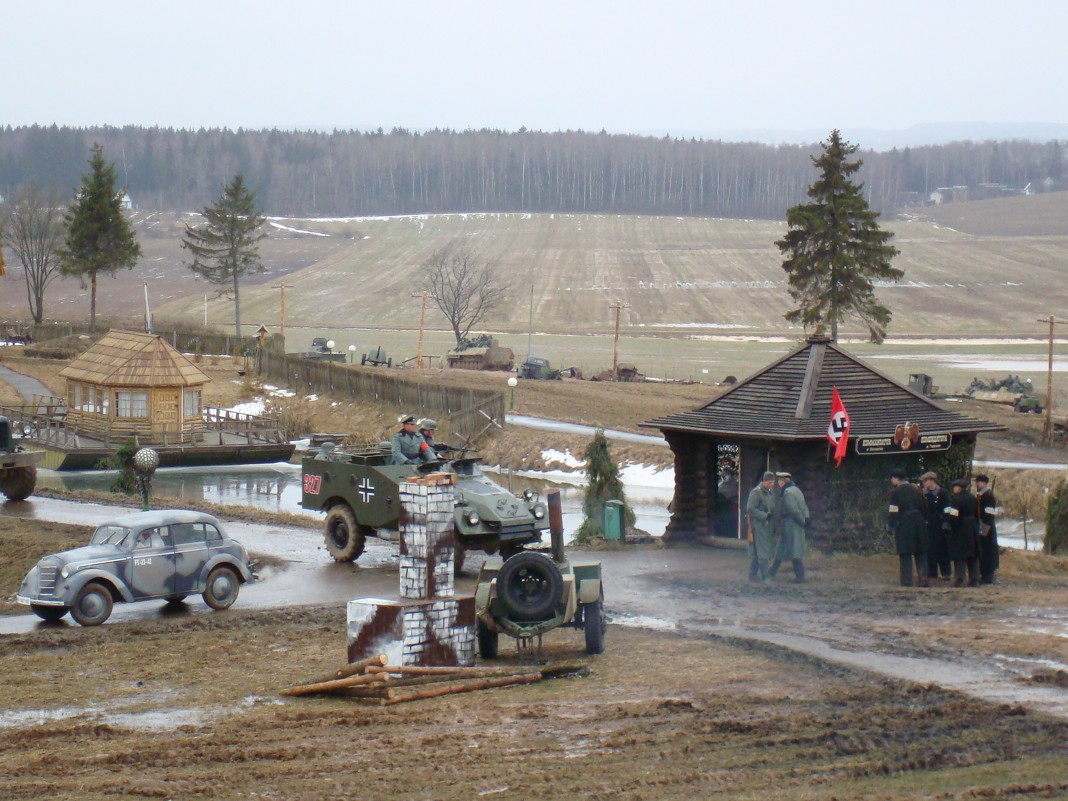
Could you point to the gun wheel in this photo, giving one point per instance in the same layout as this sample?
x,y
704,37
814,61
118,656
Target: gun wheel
x,y
18,482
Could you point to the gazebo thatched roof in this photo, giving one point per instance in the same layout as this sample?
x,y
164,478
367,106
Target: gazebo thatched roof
x,y
130,359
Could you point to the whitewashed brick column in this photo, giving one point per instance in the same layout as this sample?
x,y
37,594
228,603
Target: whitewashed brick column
x,y
429,624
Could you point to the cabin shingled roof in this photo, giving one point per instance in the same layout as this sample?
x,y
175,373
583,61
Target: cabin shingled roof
x,y
769,404
131,359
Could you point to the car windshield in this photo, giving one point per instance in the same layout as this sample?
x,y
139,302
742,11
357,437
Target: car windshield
x,y
110,535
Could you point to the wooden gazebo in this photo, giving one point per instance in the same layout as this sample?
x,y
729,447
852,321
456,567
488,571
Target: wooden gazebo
x,y
135,385
777,420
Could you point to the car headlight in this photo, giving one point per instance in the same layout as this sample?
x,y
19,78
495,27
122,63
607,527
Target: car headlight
x,y
529,495
538,510
64,571
471,516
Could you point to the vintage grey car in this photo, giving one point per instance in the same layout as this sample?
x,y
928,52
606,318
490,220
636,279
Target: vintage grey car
x,y
166,553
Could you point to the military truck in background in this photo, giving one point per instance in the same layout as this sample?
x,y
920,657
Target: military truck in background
x,y
18,466
360,492
481,353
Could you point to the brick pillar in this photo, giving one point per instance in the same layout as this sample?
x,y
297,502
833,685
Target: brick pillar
x,y
428,624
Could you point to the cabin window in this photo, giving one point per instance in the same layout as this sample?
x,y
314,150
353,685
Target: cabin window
x,y
192,403
131,404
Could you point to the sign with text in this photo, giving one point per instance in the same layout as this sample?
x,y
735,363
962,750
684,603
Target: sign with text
x,y
873,446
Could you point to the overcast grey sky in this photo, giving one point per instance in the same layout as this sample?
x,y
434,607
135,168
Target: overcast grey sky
x,y
687,68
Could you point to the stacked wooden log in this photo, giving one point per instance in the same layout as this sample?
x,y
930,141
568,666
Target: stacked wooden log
x,y
372,679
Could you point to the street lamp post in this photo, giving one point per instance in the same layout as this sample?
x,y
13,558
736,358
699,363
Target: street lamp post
x,y
512,382
352,354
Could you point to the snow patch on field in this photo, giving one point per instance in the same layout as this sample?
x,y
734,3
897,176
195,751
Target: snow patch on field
x,y
281,227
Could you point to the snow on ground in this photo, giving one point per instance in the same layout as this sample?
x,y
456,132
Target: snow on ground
x,y
281,227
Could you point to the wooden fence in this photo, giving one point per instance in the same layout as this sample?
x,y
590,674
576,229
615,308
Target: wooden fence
x,y
469,412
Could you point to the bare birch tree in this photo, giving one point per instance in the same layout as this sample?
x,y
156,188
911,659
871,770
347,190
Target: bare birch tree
x,y
33,229
464,285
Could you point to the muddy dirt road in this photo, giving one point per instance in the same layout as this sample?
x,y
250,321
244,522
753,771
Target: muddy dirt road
x,y
847,686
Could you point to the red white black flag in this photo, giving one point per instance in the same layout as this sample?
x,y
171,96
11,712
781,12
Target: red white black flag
x,y
838,429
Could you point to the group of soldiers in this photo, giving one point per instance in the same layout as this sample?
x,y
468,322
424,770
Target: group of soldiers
x,y
414,443
777,516
948,534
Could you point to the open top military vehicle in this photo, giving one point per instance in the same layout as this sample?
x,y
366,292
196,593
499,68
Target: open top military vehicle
x,y
360,492
18,466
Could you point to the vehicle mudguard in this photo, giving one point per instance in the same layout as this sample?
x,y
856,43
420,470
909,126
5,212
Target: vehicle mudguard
x,y
589,590
73,585
224,559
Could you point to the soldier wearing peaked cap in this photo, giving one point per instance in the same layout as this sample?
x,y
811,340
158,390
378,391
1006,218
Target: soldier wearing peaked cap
x,y
907,520
760,513
987,509
963,534
936,499
408,444
793,517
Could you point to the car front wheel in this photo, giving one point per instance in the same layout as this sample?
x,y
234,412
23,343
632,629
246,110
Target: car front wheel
x,y
93,605
221,589
50,613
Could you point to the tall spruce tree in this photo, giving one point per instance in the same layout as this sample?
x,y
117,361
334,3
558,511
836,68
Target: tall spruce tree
x,y
99,236
835,249
226,246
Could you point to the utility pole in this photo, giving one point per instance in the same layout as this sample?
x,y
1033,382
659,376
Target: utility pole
x,y
618,306
1047,428
282,314
422,321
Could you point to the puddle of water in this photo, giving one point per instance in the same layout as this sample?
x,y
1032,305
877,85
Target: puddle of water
x,y
643,622
155,720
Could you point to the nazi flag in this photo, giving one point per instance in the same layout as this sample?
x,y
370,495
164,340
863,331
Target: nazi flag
x,y
838,428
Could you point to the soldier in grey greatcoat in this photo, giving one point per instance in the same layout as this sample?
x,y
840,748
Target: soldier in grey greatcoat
x,y
408,445
793,517
760,512
907,519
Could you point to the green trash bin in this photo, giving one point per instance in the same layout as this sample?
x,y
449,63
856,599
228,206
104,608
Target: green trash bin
x,y
613,521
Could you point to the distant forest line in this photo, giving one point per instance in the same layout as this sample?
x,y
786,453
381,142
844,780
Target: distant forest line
x,y
350,173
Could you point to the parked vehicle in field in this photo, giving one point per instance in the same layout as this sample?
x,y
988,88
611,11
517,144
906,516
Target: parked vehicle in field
x,y
530,593
360,492
18,466
168,554
480,353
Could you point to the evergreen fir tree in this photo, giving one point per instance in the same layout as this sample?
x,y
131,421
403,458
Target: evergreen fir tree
x,y
226,247
99,236
1057,520
603,484
835,249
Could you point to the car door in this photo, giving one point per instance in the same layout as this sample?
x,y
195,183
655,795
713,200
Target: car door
x,y
152,564
190,555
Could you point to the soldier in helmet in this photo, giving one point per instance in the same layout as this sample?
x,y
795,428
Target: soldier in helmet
x,y
427,427
408,444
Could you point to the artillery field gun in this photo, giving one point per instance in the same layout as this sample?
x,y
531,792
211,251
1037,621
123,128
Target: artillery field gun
x,y
481,353
360,492
18,466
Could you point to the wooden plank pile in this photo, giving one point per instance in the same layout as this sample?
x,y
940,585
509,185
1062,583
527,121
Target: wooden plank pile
x,y
373,680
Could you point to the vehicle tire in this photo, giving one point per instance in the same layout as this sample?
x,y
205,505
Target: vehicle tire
x,y
459,553
221,588
529,586
49,613
93,605
18,482
344,539
593,621
487,640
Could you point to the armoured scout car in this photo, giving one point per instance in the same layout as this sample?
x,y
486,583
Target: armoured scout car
x,y
360,492
18,466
